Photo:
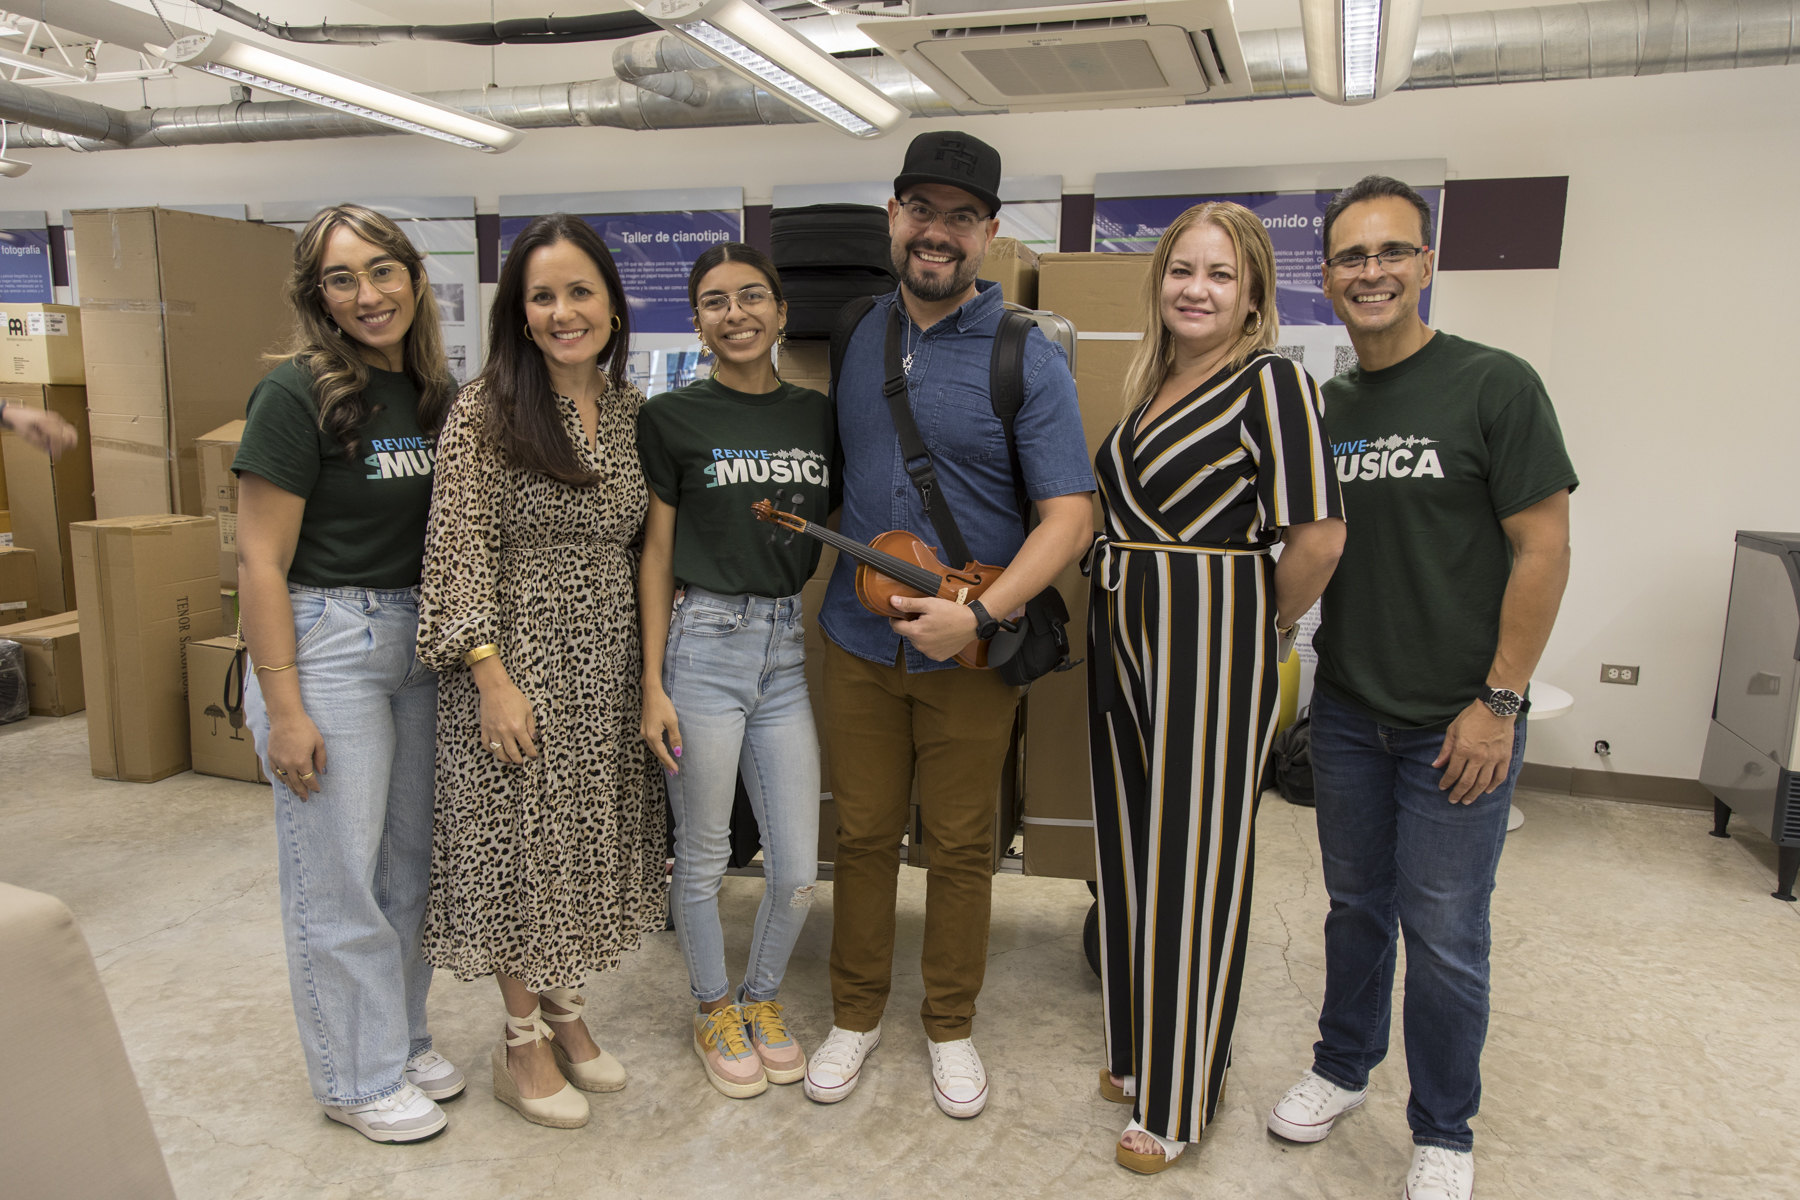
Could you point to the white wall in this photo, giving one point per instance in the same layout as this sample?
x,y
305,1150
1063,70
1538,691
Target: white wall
x,y
1663,337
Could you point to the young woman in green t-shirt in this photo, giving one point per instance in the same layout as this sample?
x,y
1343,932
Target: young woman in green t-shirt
x,y
334,484
724,684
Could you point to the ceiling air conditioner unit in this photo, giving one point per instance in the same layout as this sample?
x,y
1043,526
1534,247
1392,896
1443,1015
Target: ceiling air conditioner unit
x,y
1116,54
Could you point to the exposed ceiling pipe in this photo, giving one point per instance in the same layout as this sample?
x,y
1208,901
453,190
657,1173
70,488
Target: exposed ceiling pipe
x,y
526,31
63,113
659,85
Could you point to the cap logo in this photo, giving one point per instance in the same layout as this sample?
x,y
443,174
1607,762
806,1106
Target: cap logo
x,y
956,154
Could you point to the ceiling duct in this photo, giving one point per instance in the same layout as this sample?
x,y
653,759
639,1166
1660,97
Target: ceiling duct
x,y
1569,41
1115,54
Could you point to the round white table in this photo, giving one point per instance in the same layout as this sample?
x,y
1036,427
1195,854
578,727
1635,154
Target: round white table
x,y
1548,702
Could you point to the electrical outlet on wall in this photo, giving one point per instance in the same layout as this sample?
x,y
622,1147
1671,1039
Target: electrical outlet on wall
x,y
1613,673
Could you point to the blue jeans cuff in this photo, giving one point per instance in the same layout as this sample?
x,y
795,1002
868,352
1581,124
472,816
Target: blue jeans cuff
x,y
1322,1073
383,1094
1420,1139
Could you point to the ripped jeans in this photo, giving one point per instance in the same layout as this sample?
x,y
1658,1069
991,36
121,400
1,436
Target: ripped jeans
x,y
734,669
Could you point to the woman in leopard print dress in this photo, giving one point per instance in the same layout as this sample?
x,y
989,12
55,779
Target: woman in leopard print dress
x,y
550,840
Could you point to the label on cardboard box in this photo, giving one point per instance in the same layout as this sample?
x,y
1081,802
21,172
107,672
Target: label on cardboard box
x,y
12,604
46,324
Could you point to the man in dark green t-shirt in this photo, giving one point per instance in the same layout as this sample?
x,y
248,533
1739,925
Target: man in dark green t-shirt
x,y
1456,493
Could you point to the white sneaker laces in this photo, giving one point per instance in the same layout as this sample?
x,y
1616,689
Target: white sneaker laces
x,y
839,1049
397,1103
957,1062
1435,1168
423,1063
1313,1093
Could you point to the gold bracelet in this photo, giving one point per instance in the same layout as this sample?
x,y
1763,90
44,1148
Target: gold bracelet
x,y
258,670
480,652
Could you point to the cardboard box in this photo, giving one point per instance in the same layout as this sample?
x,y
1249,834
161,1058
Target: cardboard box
x,y
1101,293
218,737
18,586
178,309
45,496
146,586
41,343
806,364
52,663
218,491
1014,266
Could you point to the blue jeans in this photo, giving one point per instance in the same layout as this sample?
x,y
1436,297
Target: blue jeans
x,y
355,860
1396,852
735,671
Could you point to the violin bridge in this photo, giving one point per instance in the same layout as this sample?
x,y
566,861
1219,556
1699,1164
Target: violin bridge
x,y
962,595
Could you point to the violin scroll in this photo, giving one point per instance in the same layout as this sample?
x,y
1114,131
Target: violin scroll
x,y
765,510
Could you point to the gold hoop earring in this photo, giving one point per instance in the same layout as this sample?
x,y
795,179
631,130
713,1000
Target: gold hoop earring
x,y
1256,328
527,334
615,322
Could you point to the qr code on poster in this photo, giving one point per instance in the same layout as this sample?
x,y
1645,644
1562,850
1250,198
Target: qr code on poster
x,y
1297,353
1343,359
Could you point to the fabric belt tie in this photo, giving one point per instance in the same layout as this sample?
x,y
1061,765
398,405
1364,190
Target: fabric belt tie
x,y
1105,563
1105,559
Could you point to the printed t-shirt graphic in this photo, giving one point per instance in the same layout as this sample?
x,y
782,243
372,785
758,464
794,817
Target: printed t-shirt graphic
x,y
711,451
1432,454
365,515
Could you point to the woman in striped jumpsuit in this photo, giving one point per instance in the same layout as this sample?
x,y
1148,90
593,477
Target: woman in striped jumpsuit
x,y
1223,455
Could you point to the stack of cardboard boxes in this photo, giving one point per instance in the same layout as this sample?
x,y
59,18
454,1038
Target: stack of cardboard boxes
x,y
178,310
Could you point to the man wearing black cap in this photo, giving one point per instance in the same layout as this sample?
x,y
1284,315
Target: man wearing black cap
x,y
894,703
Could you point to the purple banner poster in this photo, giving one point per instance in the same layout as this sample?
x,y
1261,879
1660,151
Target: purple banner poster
x,y
654,252
1295,221
25,267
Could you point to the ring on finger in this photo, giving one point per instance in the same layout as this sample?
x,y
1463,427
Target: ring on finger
x,y
281,772
494,746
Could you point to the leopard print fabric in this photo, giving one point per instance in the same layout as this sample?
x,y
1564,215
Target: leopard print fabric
x,y
549,870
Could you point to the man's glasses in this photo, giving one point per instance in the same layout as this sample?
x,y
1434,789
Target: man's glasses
x,y
387,277
1353,264
754,298
960,223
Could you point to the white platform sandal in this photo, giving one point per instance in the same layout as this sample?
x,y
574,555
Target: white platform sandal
x,y
602,1074
566,1109
1123,1093
1148,1164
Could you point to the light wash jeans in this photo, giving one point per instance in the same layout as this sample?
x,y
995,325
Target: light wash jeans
x,y
734,669
1402,861
356,859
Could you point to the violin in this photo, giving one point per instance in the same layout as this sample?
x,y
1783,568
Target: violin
x,y
898,563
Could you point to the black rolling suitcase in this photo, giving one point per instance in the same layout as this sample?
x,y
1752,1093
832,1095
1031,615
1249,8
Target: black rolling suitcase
x,y
828,255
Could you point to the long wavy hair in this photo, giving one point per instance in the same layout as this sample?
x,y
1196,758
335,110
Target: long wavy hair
x,y
522,418
324,351
1259,323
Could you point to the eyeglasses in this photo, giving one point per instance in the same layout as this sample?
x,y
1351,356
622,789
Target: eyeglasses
x,y
387,277
1393,256
959,223
754,298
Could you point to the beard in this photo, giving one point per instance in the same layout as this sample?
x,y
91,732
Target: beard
x,y
932,289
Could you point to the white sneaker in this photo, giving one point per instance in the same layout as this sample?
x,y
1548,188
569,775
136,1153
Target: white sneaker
x,y
408,1115
957,1081
434,1075
1310,1107
832,1072
1440,1174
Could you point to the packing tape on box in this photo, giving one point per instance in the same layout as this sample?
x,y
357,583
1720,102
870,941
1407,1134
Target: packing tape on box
x,y
1085,336
1069,821
101,443
168,308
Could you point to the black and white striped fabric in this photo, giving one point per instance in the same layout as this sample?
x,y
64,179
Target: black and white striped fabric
x,y
1183,708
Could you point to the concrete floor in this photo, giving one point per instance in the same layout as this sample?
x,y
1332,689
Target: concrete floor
x,y
1643,1044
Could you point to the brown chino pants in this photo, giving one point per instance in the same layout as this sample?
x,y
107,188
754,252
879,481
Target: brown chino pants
x,y
881,724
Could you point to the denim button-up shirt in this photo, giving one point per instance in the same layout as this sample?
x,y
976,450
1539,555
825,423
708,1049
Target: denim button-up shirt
x,y
949,391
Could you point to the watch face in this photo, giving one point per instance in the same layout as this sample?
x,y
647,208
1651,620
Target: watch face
x,y
1504,702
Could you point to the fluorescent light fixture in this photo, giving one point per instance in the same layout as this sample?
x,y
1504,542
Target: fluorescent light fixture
x,y
256,66
1359,50
748,40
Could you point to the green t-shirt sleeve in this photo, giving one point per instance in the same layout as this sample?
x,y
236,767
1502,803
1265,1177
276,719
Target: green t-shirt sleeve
x,y
661,470
1527,460
281,438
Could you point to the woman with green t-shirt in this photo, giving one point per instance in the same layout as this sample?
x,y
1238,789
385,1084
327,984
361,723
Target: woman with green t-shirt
x,y
724,684
334,484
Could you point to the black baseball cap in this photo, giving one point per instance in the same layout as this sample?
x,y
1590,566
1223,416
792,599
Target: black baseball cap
x,y
955,159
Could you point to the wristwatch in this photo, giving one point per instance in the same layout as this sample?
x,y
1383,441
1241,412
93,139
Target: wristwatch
x,y
1504,702
985,626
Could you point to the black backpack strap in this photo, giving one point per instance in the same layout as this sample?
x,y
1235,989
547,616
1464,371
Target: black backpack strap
x,y
1006,391
849,317
914,456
